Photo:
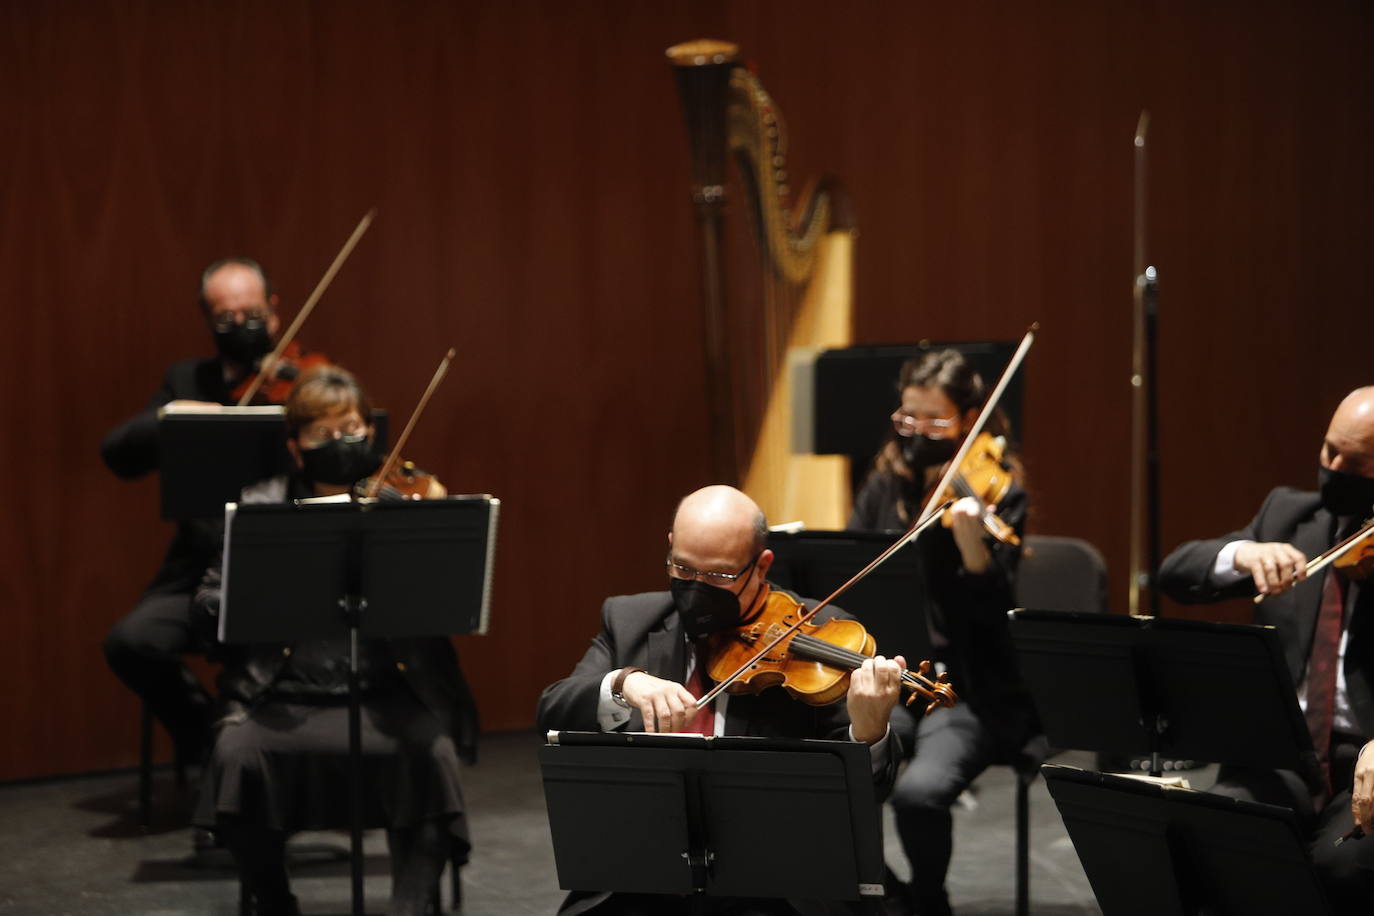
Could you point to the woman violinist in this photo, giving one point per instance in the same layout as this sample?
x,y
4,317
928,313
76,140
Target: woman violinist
x,y
966,588
279,763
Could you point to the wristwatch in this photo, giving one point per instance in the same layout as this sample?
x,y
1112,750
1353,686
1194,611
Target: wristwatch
x,y
618,686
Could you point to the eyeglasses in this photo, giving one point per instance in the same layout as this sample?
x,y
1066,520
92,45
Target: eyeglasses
x,y
252,318
314,438
720,579
907,426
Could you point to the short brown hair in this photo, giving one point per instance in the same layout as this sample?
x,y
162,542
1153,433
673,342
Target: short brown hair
x,y
321,392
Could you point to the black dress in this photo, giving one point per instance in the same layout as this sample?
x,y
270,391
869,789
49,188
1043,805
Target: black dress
x,y
280,758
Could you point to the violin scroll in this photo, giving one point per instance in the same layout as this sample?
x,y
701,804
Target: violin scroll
x,y
938,692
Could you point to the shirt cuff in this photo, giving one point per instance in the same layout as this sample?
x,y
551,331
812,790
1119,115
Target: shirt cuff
x,y
878,749
610,715
1224,570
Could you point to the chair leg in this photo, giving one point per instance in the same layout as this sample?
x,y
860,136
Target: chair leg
x,y
145,767
1023,781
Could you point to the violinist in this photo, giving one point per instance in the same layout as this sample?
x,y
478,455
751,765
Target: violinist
x,y
145,648
644,669
280,760
966,588
1326,623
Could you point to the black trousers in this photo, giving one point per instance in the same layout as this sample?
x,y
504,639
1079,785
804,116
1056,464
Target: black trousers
x,y
952,748
1346,871
145,649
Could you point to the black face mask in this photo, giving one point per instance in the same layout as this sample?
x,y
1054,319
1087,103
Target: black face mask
x,y
1346,494
244,344
704,609
920,452
340,462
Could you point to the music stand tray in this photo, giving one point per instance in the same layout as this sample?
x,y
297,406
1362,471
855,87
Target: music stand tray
x,y
1152,850
687,814
423,567
1161,687
886,602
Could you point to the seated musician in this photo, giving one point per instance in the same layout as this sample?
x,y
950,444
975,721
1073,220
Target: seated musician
x,y
1327,629
644,670
145,648
966,590
279,762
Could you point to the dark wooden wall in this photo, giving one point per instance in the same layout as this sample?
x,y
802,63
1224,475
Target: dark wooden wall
x,y
529,165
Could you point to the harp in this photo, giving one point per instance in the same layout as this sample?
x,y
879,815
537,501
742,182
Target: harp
x,y
777,287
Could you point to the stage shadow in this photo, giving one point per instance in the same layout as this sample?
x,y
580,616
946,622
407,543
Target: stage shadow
x,y
170,809
306,860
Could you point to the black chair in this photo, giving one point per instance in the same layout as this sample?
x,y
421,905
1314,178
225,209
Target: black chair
x,y
1056,574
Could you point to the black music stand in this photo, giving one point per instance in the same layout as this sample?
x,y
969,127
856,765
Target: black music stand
x,y
815,563
1152,850
208,454
713,817
1156,687
394,569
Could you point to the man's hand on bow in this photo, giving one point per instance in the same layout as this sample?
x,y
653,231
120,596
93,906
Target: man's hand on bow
x,y
666,706
1275,567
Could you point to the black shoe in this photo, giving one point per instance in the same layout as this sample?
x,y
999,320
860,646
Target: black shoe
x,y
930,904
284,907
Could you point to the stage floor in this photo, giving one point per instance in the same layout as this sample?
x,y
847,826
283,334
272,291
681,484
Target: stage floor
x,y
71,846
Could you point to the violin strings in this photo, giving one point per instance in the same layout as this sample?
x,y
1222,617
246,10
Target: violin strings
x,y
822,651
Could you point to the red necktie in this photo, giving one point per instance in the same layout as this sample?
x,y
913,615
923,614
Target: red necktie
x,y
704,722
1321,670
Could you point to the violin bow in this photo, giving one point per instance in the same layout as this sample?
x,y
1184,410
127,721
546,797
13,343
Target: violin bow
x,y
387,466
1323,560
270,360
882,558
983,415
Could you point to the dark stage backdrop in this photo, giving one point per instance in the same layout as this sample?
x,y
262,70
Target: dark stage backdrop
x,y
529,166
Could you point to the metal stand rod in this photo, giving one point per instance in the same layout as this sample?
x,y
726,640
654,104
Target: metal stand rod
x,y
352,609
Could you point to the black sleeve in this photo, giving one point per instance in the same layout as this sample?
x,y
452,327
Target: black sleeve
x,y
1186,574
570,704
130,449
993,590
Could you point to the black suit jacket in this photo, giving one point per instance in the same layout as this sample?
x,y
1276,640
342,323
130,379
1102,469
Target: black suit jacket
x,y
130,450
1295,517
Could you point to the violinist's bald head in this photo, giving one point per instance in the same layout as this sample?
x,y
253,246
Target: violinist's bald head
x,y
718,529
1349,444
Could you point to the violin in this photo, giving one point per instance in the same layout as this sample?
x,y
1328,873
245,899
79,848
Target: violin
x,y
813,662
404,481
399,479
1357,561
278,369
985,475
282,373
